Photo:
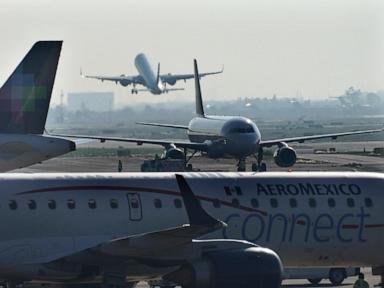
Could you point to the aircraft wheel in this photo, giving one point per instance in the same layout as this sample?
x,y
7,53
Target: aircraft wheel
x,y
254,167
336,276
314,281
263,167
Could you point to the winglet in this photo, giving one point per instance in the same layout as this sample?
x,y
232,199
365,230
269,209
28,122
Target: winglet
x,y
199,100
196,214
158,73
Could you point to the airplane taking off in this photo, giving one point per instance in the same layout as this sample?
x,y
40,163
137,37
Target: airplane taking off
x,y
200,230
218,136
154,82
25,99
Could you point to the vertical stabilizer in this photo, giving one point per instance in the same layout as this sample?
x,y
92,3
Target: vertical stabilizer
x,y
199,100
25,96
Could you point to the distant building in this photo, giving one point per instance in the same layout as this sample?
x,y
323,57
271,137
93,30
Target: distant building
x,y
92,101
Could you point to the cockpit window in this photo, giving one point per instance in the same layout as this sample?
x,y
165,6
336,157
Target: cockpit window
x,y
244,129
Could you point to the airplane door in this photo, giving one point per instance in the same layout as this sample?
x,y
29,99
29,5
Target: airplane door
x,y
134,203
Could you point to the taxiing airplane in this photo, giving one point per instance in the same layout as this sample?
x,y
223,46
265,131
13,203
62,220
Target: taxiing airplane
x,y
24,103
218,136
155,83
199,230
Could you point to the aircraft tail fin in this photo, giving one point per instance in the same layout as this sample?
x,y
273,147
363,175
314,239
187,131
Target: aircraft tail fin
x,y
25,96
199,100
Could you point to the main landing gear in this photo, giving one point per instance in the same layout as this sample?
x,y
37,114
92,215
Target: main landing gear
x,y
260,166
134,90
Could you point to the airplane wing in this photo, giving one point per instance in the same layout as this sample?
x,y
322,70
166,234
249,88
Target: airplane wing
x,y
163,125
165,143
160,243
301,139
123,79
172,78
200,223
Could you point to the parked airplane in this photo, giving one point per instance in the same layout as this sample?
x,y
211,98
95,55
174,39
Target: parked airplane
x,y
217,136
87,228
24,103
154,82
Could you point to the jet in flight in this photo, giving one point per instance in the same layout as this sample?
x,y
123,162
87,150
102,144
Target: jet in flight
x,y
218,136
198,230
25,99
155,83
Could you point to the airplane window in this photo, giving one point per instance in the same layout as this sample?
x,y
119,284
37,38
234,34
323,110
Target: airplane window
x,y
51,204
312,202
32,204
293,202
235,202
331,202
92,203
274,203
157,203
254,203
114,203
12,204
216,203
71,204
177,203
247,129
351,202
368,202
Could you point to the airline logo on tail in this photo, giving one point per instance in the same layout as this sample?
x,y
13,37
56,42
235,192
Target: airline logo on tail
x,y
25,96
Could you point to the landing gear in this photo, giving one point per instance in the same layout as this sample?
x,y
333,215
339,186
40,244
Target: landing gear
x,y
188,166
241,165
260,166
134,90
314,281
337,276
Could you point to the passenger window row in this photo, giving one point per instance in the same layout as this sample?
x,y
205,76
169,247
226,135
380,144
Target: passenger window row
x,y
71,204
312,202
177,203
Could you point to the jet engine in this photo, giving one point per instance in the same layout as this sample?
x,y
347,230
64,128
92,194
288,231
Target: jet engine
x,y
285,156
253,267
124,82
172,152
171,81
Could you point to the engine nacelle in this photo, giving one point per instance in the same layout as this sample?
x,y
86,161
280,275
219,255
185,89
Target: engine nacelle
x,y
171,81
285,156
174,153
124,83
244,268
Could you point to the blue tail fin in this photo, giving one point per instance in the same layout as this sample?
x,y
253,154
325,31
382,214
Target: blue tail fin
x,y
25,96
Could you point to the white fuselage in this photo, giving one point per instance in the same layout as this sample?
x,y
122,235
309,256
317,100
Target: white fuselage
x,y
311,219
241,135
145,70
21,150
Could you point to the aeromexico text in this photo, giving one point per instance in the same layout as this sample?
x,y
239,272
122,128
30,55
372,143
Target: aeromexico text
x,y
308,189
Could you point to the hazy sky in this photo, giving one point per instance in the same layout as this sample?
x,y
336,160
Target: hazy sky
x,y
306,47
